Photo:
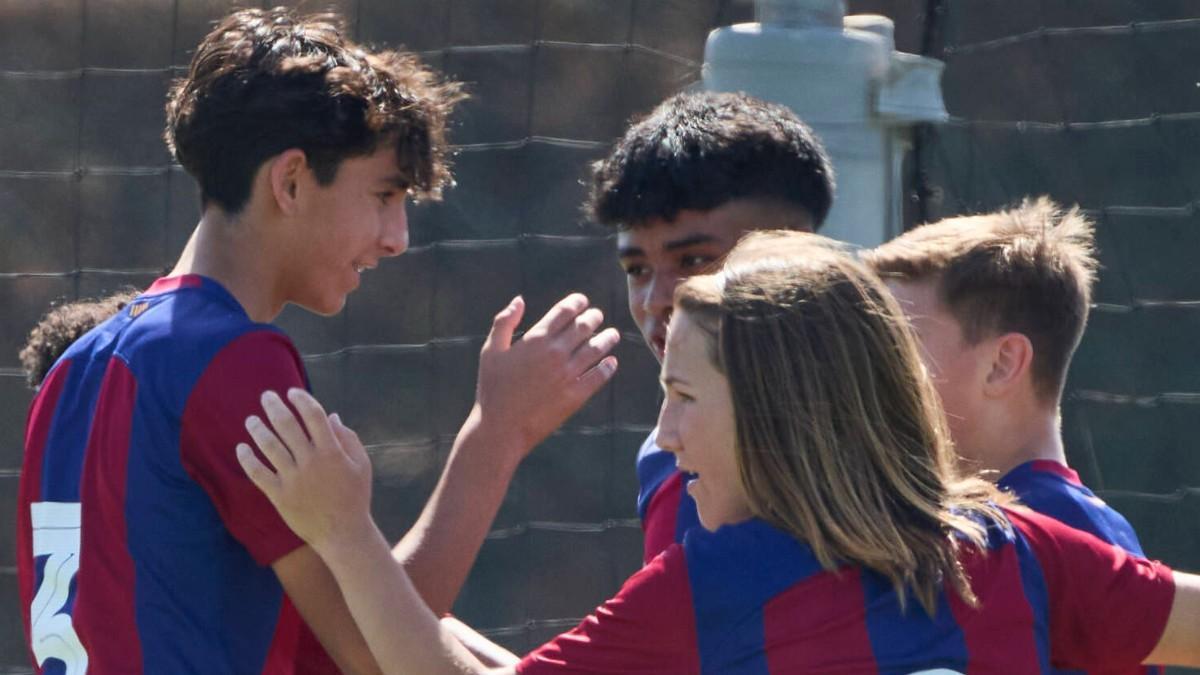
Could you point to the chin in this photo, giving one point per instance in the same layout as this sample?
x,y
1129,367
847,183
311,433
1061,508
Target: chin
x,y
325,306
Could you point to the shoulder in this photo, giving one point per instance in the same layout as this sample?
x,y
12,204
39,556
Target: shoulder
x,y
1061,496
645,627
743,565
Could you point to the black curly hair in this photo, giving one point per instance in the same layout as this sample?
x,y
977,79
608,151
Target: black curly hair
x,y
699,150
62,326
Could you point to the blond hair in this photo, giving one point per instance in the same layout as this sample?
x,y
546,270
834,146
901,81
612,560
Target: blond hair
x,y
840,439
1028,270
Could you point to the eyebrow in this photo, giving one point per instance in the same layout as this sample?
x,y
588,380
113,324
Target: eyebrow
x,y
398,181
673,245
671,380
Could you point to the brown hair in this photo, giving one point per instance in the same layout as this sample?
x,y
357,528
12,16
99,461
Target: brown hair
x,y
840,438
1027,270
701,150
61,327
265,81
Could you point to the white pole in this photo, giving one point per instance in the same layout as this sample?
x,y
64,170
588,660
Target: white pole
x,y
843,77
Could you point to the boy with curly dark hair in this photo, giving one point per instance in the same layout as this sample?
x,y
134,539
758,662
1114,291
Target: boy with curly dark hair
x,y
141,545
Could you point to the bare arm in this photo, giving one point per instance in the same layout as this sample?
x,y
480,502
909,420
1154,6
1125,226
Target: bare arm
x,y
322,487
315,593
526,390
404,634
490,653
440,548
1180,641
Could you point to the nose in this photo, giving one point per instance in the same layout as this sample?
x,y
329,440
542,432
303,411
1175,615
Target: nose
x,y
660,296
667,435
394,237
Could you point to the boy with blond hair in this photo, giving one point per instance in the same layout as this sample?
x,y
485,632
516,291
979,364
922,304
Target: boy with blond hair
x,y
999,302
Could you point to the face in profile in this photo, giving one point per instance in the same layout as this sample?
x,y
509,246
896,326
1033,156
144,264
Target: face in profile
x,y
696,423
350,225
955,366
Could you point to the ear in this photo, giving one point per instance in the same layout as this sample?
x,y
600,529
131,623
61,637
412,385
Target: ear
x,y
286,172
1012,362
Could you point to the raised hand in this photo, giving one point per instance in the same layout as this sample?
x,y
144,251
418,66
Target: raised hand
x,y
321,483
528,388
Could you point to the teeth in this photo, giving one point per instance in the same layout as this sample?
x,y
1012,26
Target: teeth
x,y
360,268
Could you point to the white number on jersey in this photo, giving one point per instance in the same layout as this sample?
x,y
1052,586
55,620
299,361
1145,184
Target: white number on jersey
x,y
57,534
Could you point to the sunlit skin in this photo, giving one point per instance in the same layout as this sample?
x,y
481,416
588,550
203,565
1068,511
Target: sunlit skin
x,y
657,254
996,418
297,241
696,424
345,228
955,366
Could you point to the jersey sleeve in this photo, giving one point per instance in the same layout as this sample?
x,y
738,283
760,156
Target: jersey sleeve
x,y
645,628
213,424
1107,608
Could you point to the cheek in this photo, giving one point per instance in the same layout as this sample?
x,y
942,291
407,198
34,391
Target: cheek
x,y
637,297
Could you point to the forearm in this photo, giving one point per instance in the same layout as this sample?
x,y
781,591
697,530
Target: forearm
x,y
401,631
488,652
439,550
1180,641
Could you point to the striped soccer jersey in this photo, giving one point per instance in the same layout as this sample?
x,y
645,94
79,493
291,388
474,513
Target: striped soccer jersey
x,y
750,599
141,545
1055,490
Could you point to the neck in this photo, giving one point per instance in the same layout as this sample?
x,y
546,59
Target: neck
x,y
232,252
1031,437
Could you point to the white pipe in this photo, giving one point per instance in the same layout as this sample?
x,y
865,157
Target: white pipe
x,y
794,13
844,78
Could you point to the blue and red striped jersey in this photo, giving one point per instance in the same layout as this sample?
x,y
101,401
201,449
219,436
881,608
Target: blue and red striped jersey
x,y
751,599
142,546
1055,490
666,509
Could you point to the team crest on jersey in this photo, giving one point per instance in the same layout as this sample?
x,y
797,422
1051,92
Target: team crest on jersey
x,y
137,308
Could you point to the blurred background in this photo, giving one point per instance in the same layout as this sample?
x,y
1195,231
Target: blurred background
x,y
1094,102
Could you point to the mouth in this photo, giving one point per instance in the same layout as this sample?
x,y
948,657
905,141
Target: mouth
x,y
686,471
658,342
362,267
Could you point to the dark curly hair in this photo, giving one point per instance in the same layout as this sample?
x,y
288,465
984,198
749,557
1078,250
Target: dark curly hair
x,y
62,326
700,150
264,81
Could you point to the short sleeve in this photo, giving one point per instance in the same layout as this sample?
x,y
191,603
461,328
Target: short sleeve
x,y
213,424
647,627
1108,608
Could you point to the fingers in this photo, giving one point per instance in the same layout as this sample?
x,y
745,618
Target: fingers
x,y
262,477
269,444
560,315
585,325
286,426
505,324
594,349
349,441
590,382
314,419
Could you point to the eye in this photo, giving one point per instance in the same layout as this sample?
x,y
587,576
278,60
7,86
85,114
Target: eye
x,y
635,271
679,396
386,196
693,262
